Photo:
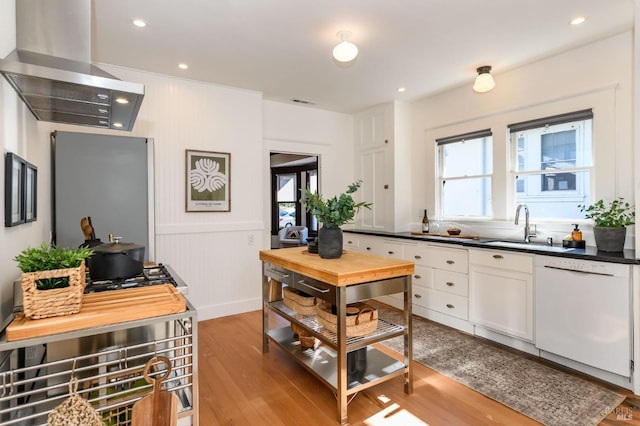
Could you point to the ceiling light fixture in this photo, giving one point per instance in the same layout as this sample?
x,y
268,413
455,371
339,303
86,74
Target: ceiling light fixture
x,y
345,51
484,80
578,20
401,89
183,66
140,23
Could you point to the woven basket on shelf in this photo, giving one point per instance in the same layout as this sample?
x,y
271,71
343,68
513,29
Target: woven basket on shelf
x,y
299,302
362,322
54,302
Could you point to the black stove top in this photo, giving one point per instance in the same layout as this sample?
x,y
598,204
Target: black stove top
x,y
151,275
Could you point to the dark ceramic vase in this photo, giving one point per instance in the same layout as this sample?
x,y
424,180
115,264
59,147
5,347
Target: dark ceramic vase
x,y
609,239
330,242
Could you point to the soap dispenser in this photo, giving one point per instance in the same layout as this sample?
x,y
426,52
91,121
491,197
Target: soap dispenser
x,y
576,234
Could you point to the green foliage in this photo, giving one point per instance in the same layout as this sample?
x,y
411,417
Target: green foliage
x,y
616,214
335,211
48,257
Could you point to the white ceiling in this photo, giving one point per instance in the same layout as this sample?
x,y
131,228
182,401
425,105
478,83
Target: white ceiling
x,y
283,47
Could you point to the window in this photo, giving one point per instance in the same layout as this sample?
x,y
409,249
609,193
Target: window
x,y
465,170
552,164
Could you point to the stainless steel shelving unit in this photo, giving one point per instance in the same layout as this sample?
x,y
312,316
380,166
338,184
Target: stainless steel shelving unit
x,y
108,363
328,361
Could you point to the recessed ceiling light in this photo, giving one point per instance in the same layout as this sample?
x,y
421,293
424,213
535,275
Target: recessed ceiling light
x,y
140,23
183,66
578,20
122,101
116,124
401,89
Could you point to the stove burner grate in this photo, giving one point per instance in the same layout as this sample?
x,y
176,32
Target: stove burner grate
x,y
151,275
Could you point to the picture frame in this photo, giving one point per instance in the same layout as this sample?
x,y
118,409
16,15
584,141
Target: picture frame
x,y
31,193
14,190
208,181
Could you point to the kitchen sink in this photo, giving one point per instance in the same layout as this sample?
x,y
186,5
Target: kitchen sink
x,y
527,246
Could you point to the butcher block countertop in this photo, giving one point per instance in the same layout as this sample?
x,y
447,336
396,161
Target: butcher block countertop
x,y
101,309
351,268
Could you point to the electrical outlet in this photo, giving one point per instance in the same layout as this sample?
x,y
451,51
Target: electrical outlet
x,y
251,239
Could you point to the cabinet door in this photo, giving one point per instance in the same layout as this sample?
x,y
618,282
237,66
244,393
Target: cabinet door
x,y
374,127
375,168
501,300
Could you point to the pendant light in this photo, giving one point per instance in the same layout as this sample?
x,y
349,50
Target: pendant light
x,y
345,51
484,80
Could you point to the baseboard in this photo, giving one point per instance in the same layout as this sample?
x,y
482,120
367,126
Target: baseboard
x,y
226,309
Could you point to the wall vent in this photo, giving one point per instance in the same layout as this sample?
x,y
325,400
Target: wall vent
x,y
302,101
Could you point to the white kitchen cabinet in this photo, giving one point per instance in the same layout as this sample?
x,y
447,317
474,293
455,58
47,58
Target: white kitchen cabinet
x,y
440,281
382,151
501,292
382,247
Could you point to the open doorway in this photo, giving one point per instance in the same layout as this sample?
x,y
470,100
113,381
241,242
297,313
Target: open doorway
x,y
289,174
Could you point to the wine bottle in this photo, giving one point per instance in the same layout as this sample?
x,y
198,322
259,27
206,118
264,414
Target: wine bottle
x,y
425,223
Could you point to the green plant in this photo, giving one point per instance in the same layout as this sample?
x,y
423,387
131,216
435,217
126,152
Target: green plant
x,y
616,214
48,257
335,211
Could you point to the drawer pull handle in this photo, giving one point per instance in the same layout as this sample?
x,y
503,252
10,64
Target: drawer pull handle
x,y
450,306
320,290
349,242
368,248
417,277
390,252
450,262
498,256
417,257
417,296
450,284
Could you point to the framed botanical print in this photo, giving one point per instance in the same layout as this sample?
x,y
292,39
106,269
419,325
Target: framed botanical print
x,y
208,181
14,189
31,193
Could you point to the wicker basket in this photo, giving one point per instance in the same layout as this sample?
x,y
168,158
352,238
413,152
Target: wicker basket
x,y
299,302
53,302
362,322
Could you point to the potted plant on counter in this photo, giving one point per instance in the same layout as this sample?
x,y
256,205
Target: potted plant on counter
x,y
53,280
332,213
610,222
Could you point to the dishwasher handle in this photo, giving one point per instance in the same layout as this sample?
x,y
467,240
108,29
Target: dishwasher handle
x,y
578,271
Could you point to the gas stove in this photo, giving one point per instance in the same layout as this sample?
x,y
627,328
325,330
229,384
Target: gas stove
x,y
151,275
155,274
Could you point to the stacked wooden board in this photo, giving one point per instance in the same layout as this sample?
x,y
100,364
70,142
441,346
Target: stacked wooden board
x,y
102,309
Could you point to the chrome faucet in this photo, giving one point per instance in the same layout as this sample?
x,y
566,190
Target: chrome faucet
x,y
527,230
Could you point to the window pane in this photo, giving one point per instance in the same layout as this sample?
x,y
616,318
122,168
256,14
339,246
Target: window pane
x,y
467,158
554,195
467,197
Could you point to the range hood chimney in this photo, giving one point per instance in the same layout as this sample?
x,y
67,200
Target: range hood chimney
x,y
51,68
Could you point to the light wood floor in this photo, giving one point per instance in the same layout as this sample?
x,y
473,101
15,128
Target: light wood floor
x,y
239,385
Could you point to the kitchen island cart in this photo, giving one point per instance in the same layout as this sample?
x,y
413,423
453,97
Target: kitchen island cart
x,y
346,365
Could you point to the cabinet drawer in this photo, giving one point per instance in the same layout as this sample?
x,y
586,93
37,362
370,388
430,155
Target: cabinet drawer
x,y
451,282
449,259
447,303
418,254
502,259
422,276
277,273
315,288
351,243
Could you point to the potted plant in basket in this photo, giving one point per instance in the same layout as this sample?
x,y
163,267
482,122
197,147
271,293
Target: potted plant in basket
x,y
332,213
53,280
610,221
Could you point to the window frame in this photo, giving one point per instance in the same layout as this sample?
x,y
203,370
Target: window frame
x,y
580,121
441,168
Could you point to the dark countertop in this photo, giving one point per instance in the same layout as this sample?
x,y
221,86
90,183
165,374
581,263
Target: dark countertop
x,y
588,253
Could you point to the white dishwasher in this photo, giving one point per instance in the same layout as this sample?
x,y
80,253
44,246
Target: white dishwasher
x,y
583,312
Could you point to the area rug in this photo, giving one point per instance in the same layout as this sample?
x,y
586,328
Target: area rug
x,y
542,393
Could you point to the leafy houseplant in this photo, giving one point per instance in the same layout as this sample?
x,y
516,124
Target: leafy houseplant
x,y
610,221
332,213
49,257
616,214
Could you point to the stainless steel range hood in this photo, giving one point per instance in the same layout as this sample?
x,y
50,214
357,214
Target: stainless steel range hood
x,y
51,70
